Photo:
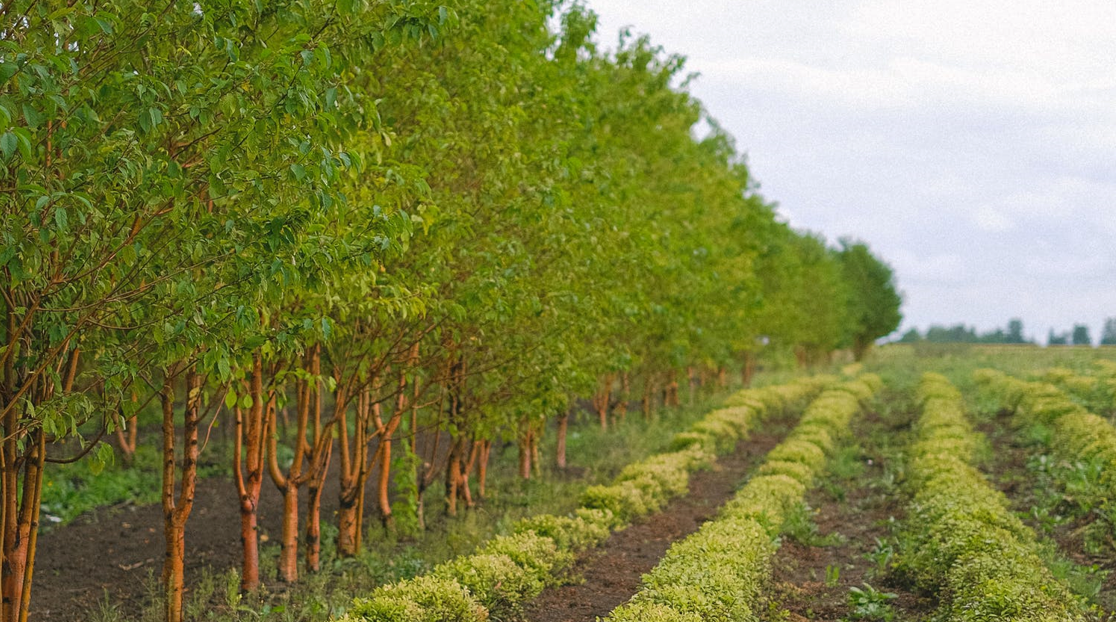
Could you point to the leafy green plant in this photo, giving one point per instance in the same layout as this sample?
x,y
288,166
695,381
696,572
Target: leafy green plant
x,y
868,603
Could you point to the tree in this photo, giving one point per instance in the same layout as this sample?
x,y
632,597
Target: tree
x,y
1015,331
1081,335
1108,334
1057,339
911,336
874,303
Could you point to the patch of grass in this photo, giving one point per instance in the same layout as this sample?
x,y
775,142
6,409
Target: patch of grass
x,y
799,525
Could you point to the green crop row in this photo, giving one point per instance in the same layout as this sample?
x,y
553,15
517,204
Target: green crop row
x,y
717,573
1096,390
960,538
1076,435
510,570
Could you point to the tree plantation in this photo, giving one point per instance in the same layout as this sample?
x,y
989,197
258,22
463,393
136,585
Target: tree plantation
x,y
356,251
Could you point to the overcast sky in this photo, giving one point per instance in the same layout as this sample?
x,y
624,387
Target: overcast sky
x,y
971,144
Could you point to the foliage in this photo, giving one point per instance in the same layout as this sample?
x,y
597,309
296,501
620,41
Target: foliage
x,y
874,301
960,537
719,572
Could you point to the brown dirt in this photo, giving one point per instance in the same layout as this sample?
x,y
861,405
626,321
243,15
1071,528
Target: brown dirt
x,y
800,575
612,572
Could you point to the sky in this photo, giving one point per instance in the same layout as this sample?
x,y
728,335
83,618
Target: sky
x,y
972,145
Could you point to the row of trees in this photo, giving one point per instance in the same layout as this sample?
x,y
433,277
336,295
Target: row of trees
x,y
1013,334
390,220
1080,335
960,333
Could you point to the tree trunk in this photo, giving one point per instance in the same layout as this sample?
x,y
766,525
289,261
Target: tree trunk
x,y
177,511
453,475
127,436
748,370
482,467
525,452
560,442
248,471
648,402
625,396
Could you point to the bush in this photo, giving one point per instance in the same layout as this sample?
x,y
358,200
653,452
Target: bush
x,y
422,599
572,533
495,580
960,533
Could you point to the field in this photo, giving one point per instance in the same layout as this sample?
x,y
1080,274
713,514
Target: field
x,y
354,310
956,482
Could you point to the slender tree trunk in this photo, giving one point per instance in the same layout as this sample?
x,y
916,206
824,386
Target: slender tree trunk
x,y
625,396
453,475
127,436
648,402
248,471
560,442
525,451
482,467
177,511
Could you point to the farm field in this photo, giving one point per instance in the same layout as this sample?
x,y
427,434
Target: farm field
x,y
469,311
947,483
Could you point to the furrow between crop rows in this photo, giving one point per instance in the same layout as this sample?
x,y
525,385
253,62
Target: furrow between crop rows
x,y
538,552
718,573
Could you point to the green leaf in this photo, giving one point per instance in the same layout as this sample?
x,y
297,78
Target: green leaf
x,y
8,145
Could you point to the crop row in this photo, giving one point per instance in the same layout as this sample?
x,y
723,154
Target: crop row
x,y
960,538
717,573
1076,435
511,569
1096,390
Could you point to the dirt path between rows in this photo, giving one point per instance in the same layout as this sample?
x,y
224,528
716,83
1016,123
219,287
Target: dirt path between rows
x,y
812,579
612,572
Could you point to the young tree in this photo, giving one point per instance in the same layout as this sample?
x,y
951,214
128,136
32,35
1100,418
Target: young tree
x,y
874,302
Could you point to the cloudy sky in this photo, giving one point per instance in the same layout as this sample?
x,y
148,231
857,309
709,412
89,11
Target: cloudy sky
x,y
972,144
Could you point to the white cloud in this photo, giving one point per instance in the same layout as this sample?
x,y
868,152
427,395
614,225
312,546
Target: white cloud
x,y
991,219
970,143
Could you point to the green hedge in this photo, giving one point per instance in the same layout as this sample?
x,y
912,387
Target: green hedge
x,y
717,573
960,539
1075,434
509,570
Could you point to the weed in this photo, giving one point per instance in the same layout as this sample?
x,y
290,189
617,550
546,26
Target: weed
x,y
868,603
832,575
800,527
880,556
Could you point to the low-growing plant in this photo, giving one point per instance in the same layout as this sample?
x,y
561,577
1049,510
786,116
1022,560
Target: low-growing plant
x,y
868,603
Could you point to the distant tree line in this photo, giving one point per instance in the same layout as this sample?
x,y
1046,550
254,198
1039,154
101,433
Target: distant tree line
x,y
1079,335
960,333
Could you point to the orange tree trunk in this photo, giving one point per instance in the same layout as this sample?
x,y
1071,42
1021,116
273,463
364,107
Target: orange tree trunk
x,y
22,456
177,510
560,442
249,455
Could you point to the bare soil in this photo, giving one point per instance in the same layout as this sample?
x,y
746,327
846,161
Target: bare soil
x,y
612,572
812,580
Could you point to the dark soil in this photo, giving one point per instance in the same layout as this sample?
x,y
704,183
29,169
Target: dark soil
x,y
116,553
612,572
812,579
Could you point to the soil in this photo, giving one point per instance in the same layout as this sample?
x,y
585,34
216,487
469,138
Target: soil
x,y
612,572
812,579
114,553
